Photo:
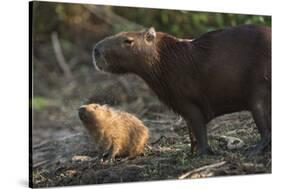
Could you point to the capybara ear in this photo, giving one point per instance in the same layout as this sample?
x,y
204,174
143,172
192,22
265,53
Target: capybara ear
x,y
150,34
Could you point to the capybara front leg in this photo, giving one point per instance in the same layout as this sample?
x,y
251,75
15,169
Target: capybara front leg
x,y
197,124
113,152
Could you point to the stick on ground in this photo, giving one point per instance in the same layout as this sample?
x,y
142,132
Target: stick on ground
x,y
215,165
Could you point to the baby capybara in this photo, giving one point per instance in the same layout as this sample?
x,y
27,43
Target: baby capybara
x,y
116,133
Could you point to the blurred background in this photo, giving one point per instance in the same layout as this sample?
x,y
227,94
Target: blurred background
x,y
63,36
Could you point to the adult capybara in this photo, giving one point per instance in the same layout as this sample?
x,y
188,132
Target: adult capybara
x,y
220,72
115,133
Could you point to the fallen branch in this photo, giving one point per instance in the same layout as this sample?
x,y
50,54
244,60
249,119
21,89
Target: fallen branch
x,y
60,58
158,121
162,115
158,140
251,167
41,163
188,174
143,112
125,84
105,13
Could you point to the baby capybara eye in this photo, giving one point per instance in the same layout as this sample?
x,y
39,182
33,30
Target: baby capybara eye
x,y
93,107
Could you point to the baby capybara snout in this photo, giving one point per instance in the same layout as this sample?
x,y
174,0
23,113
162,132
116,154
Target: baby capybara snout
x,y
84,113
81,112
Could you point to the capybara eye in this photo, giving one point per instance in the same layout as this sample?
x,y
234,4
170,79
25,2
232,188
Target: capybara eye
x,y
129,41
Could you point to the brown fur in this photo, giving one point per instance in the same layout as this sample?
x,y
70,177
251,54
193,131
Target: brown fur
x,y
220,72
115,132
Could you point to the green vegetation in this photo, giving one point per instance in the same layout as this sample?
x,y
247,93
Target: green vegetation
x,y
187,23
39,103
182,23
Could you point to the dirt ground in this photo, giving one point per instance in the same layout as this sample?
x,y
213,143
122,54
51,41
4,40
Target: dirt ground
x,y
63,155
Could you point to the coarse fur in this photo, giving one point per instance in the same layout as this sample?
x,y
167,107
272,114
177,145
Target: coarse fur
x,y
114,132
220,72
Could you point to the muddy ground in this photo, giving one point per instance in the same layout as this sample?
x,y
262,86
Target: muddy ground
x,y
63,155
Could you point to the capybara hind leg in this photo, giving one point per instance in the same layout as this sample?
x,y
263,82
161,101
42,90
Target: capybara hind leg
x,y
261,114
197,123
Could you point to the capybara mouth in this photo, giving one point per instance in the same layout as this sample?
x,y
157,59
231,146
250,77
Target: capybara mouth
x,y
99,61
100,65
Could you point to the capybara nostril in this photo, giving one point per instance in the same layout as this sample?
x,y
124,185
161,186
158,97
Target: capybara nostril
x,y
97,52
81,111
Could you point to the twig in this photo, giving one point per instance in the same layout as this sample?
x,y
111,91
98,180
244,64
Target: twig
x,y
60,58
125,84
143,112
40,163
104,13
40,145
158,121
202,169
158,140
162,115
252,165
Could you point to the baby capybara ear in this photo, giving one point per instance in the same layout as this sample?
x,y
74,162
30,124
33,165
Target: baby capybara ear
x,y
150,35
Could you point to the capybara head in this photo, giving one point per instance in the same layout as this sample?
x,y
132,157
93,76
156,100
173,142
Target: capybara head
x,y
91,113
125,52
